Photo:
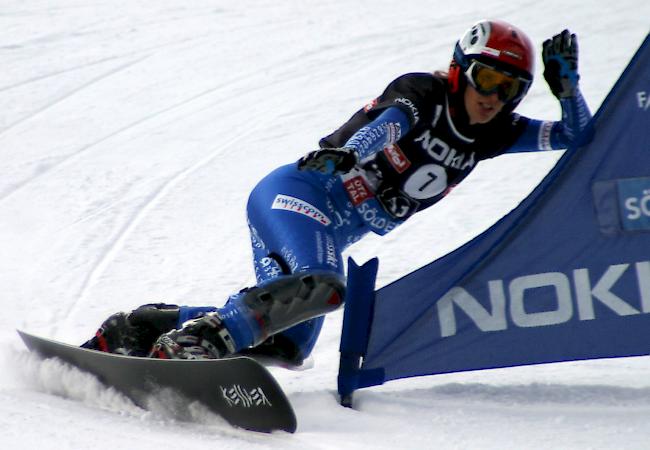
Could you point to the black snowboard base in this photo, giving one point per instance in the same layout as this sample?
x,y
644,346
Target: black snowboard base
x,y
239,389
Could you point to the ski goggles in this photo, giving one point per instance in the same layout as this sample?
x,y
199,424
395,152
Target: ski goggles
x,y
488,80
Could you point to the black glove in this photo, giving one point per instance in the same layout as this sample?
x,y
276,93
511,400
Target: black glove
x,y
560,56
329,160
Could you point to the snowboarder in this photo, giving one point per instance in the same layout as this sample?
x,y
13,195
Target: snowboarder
x,y
400,154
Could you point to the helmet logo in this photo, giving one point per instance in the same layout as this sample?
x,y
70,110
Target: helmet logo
x,y
491,51
512,54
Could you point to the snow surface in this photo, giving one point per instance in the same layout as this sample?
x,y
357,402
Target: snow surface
x,y
131,133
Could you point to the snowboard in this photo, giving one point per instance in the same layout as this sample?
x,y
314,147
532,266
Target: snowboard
x,y
239,389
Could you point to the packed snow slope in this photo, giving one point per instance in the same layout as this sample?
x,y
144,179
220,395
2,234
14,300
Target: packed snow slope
x,y
131,133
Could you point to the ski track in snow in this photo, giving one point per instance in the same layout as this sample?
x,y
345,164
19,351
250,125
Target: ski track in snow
x,y
58,73
67,95
103,77
140,212
131,223
52,104
188,105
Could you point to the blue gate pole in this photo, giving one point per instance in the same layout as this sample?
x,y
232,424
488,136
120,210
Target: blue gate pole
x,y
357,317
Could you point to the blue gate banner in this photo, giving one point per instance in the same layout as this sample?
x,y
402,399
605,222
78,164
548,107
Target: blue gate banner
x,y
564,276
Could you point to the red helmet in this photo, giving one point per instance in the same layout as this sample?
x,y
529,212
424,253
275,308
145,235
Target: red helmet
x,y
499,45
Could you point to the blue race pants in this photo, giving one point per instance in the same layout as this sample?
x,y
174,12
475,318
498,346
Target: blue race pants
x,y
297,223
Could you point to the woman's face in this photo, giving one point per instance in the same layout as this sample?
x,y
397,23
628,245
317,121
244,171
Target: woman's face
x,y
481,108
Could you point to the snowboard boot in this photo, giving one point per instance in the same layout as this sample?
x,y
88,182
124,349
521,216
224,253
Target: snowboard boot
x,y
203,338
250,317
276,349
278,304
134,333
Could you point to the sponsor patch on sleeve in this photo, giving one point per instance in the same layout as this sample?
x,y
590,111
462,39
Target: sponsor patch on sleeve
x,y
370,105
397,158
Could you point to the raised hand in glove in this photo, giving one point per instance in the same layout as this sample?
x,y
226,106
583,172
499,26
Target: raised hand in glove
x,y
560,56
329,160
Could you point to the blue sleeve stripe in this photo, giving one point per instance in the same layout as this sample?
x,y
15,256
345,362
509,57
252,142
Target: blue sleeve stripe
x,y
387,128
542,135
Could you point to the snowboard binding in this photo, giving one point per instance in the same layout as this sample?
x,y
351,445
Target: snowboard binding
x,y
203,338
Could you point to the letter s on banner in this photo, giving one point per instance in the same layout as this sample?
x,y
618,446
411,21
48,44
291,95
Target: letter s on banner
x,y
634,201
